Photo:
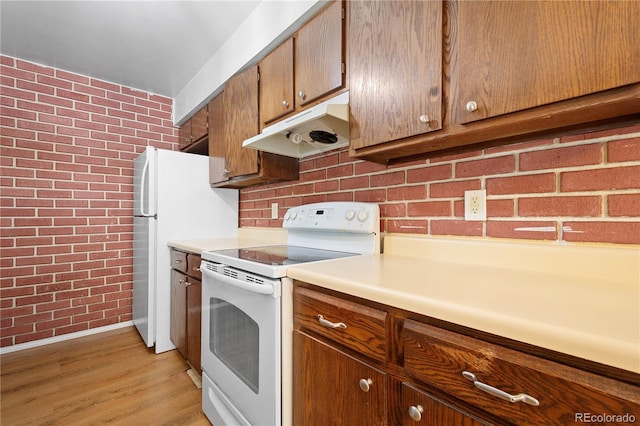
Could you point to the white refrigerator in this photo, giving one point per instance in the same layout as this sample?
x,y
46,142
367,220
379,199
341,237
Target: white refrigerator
x,y
172,201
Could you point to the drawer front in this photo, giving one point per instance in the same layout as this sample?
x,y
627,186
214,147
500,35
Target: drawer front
x,y
439,357
351,324
193,266
179,260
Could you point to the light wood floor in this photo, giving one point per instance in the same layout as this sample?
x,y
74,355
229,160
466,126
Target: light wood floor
x,y
107,378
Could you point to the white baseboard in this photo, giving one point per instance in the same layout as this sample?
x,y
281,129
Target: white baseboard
x,y
62,338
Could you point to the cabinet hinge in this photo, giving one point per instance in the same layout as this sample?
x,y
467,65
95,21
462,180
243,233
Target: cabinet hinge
x,y
258,76
343,68
343,13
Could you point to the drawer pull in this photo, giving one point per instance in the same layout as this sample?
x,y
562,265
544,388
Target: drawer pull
x,y
522,397
365,384
178,261
415,412
330,324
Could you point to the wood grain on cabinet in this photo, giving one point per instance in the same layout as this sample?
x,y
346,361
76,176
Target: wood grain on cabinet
x,y
241,122
438,357
395,70
318,55
327,388
522,89
357,326
305,68
276,83
186,305
522,54
420,408
236,119
193,130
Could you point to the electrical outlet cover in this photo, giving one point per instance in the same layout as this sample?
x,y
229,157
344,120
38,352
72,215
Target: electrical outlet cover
x,y
475,205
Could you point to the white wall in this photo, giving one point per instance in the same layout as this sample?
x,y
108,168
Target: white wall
x,y
269,24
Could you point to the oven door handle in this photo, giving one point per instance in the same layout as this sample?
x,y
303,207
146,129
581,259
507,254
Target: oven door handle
x,y
254,288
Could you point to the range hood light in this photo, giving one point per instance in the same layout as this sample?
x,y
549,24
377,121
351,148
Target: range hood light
x,y
320,128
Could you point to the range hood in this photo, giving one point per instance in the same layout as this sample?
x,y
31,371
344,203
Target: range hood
x,y
320,128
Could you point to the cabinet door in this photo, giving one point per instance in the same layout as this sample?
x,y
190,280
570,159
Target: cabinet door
x,y
241,122
178,314
217,143
276,83
395,70
515,55
194,315
184,134
419,408
318,55
199,124
327,389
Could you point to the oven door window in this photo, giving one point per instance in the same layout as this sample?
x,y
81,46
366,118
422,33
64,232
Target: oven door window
x,y
234,339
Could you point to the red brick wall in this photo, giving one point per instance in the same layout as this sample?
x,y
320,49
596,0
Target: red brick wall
x,y
583,188
68,144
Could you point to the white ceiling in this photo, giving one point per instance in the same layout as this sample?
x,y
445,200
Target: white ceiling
x,y
156,46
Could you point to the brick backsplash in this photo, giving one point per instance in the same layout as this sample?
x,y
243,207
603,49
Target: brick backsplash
x,y
578,188
68,142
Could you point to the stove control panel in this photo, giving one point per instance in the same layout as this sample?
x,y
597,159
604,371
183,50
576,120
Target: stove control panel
x,y
334,216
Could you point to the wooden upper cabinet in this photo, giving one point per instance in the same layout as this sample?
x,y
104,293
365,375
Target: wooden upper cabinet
x,y
395,70
276,83
199,124
319,55
217,142
304,68
241,122
522,54
194,129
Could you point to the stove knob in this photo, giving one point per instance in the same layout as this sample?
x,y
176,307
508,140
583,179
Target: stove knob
x,y
350,215
286,216
294,214
363,215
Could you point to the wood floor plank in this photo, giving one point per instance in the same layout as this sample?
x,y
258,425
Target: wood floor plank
x,y
108,378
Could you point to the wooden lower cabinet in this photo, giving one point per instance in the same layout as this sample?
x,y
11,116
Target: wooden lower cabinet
x,y
186,305
435,375
335,388
420,408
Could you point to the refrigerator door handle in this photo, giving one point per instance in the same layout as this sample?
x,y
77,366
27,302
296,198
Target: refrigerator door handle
x,y
145,169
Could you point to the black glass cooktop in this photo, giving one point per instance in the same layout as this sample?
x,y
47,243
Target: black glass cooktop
x,y
282,254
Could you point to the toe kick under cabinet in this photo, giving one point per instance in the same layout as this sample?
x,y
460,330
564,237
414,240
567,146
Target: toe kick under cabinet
x,y
363,363
186,305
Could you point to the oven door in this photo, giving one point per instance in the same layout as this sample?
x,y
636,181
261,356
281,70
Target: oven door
x,y
240,346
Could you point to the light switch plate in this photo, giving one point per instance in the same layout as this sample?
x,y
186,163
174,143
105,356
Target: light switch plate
x,y
274,210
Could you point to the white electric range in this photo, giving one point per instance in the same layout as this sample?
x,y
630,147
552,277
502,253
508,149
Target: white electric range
x,y
247,318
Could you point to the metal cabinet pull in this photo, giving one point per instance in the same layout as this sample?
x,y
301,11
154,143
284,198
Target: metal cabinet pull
x,y
522,397
187,283
415,412
365,384
330,324
178,261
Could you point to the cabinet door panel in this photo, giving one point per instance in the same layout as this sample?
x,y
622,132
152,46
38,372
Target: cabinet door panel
x,y
217,142
194,315
395,70
326,388
276,83
199,124
184,134
429,411
241,122
178,311
318,55
521,54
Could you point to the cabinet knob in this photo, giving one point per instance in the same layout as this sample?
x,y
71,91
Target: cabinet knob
x,y
424,119
472,106
301,95
415,412
186,283
365,384
285,104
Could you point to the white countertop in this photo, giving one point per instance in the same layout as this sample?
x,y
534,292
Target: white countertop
x,y
247,237
575,299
